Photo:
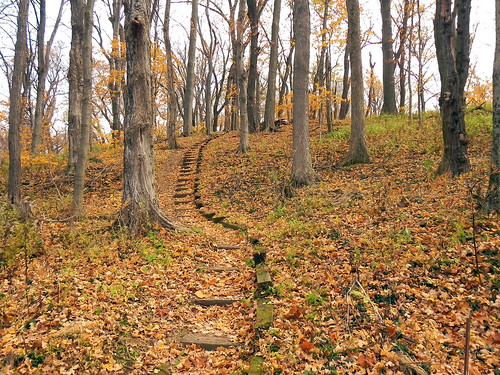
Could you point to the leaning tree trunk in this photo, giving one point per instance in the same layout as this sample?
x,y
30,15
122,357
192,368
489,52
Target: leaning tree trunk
x,y
16,105
302,170
139,193
83,146
358,152
452,49
493,198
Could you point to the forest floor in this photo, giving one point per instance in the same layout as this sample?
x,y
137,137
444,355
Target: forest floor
x,y
374,267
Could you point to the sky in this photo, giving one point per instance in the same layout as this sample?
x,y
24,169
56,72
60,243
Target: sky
x,y
482,23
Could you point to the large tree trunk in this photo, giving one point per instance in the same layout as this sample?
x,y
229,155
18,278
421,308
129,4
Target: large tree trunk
x,y
16,105
401,55
492,202
83,146
452,48
389,106
252,110
302,170
139,193
172,105
358,152
243,146
270,107
75,81
188,94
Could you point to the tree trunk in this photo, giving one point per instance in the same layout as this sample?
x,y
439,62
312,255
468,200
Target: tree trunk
x,y
452,48
16,105
389,106
253,117
42,70
328,86
346,83
270,108
75,81
83,146
139,193
171,120
302,170
401,56
243,146
283,88
188,94
117,65
358,152
492,202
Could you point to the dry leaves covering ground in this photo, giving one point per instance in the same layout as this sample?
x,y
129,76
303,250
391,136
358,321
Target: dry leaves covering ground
x,y
374,269
374,266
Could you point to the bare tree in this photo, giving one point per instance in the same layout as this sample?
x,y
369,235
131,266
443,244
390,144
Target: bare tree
x,y
358,152
188,93
241,78
270,107
43,51
171,120
452,36
139,193
388,63
302,170
493,198
15,110
83,145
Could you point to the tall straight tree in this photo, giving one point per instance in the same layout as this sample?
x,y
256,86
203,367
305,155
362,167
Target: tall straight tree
x,y
346,84
388,64
358,152
75,81
140,206
243,146
493,197
83,145
188,92
270,110
16,105
42,70
302,170
452,36
172,103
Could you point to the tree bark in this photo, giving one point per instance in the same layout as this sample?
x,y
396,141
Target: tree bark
x,y
140,206
358,152
492,202
243,146
389,106
172,105
302,170
75,81
42,70
252,110
346,83
188,94
452,49
270,107
83,146
16,105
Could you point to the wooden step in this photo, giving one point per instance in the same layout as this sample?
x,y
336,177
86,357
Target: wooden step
x,y
214,301
208,342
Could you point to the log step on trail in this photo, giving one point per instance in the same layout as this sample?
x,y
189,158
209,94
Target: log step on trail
x,y
214,301
208,342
